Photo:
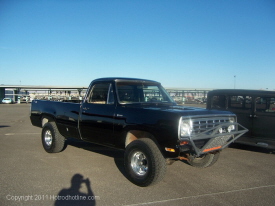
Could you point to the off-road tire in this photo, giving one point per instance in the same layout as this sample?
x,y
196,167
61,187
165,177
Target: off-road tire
x,y
205,160
52,140
144,163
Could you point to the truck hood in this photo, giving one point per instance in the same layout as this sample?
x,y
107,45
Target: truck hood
x,y
182,110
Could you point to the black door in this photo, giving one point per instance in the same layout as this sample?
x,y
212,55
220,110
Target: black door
x,y
264,118
97,115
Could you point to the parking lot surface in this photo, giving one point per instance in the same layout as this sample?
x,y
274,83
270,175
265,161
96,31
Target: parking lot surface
x,y
88,174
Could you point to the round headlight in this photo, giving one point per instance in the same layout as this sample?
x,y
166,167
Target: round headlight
x,y
230,128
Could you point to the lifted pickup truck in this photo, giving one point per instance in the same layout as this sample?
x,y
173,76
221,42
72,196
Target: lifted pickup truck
x,y
141,118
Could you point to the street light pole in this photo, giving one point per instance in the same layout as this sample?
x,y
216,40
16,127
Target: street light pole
x,y
234,81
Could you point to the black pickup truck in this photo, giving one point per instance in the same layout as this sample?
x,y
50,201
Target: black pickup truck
x,y
141,118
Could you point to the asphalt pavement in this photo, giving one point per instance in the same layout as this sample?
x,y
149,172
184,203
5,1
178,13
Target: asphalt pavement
x,y
88,174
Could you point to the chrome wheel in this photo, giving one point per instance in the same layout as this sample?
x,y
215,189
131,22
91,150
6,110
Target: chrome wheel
x,y
52,140
139,163
144,163
48,138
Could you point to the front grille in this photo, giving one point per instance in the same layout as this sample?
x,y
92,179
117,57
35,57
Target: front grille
x,y
203,124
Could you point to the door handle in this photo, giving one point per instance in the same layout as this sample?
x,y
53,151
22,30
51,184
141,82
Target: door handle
x,y
85,108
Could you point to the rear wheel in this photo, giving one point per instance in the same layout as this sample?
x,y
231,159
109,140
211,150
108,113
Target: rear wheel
x,y
144,163
52,140
205,160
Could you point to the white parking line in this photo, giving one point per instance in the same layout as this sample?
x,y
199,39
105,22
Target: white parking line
x,y
12,134
203,195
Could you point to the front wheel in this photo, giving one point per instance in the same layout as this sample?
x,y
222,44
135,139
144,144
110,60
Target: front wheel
x,y
144,163
205,160
52,140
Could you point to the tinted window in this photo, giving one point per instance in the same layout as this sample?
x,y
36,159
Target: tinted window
x,y
239,102
218,102
265,104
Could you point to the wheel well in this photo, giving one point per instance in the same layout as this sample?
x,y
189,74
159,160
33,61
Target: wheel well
x,y
46,119
136,134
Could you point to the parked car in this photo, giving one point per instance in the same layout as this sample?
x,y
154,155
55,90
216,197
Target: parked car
x,y
7,101
255,110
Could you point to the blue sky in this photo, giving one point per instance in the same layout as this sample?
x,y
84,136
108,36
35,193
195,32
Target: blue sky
x,y
181,43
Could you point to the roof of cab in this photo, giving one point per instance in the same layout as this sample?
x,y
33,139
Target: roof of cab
x,y
241,92
117,79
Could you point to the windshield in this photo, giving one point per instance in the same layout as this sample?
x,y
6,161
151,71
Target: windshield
x,y
142,92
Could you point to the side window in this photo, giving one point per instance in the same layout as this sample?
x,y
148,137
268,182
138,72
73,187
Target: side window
x,y
99,94
235,102
265,104
239,102
248,102
219,102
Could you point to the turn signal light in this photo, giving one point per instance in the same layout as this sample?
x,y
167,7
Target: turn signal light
x,y
184,142
170,149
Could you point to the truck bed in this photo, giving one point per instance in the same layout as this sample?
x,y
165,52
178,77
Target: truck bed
x,y
65,115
